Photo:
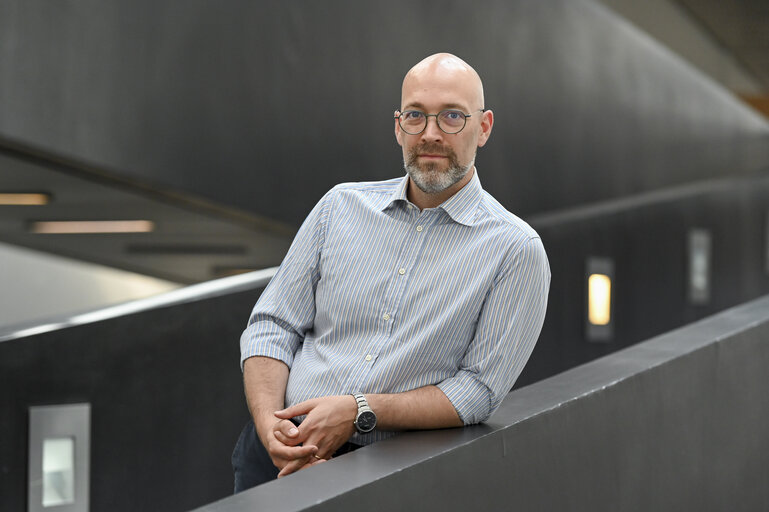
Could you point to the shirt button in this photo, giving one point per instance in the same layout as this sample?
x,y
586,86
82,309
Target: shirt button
x,y
386,317
419,228
368,357
402,271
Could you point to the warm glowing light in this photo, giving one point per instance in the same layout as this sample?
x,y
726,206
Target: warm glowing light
x,y
93,226
24,199
599,299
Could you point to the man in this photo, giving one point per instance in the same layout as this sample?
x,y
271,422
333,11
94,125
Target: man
x,y
406,304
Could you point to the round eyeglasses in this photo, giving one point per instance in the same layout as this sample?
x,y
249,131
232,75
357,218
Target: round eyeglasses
x,y
449,121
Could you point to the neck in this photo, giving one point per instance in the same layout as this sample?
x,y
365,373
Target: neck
x,y
425,200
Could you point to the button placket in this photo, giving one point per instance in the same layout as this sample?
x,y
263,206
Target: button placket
x,y
358,378
412,247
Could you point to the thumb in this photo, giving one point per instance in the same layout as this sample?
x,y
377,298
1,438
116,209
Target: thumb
x,y
295,410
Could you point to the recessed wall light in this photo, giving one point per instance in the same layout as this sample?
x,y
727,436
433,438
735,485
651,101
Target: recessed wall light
x,y
699,244
24,199
59,457
92,226
599,284
599,302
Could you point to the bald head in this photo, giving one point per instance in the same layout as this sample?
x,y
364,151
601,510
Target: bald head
x,y
444,70
440,158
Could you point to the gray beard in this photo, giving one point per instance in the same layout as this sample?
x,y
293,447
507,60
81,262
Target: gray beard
x,y
429,178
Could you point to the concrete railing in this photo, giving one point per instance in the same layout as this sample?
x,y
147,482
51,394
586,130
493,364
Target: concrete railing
x,y
679,422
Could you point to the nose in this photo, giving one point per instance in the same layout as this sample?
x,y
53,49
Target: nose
x,y
431,131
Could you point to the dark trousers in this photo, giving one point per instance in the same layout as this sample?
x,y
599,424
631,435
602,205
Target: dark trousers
x,y
251,464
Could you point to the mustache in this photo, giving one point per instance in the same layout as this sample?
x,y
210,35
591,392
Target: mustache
x,y
432,148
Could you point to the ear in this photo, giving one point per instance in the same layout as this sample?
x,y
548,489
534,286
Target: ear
x,y
398,132
487,122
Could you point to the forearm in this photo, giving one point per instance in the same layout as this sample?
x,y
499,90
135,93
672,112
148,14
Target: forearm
x,y
264,380
418,409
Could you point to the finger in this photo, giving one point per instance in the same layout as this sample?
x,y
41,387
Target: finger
x,y
296,410
288,441
327,442
293,466
325,450
287,428
293,452
313,462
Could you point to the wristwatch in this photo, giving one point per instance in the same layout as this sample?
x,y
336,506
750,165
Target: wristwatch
x,y
365,421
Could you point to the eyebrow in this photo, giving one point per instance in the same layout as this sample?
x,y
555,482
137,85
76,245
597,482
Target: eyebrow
x,y
447,106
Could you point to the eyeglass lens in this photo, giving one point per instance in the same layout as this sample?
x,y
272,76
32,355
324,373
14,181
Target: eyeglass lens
x,y
414,121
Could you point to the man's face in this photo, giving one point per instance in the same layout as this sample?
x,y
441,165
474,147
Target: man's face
x,y
434,159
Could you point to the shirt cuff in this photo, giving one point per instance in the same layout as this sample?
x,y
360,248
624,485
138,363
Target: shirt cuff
x,y
268,340
470,397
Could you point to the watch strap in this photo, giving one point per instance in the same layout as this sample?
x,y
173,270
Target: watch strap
x,y
363,408
362,402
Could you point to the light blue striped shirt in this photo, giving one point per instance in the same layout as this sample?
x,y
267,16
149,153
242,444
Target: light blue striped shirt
x,y
377,296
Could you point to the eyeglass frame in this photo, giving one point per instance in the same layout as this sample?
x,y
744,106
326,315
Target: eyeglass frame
x,y
427,116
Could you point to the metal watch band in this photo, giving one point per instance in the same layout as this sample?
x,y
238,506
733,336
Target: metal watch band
x,y
362,402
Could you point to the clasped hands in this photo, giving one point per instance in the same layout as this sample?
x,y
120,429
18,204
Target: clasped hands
x,y
327,426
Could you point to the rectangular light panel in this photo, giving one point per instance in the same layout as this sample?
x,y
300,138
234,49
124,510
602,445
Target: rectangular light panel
x,y
599,299
58,471
25,199
92,226
699,249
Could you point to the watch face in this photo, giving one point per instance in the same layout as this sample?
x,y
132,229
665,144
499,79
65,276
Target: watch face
x,y
366,421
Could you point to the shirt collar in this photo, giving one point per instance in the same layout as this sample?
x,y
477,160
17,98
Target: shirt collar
x,y
461,207
398,194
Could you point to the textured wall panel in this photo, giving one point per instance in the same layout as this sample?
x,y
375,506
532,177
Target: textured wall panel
x,y
266,105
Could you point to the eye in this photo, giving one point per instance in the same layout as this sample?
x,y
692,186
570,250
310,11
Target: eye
x,y
413,115
453,115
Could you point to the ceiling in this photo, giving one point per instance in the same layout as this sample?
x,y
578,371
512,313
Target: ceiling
x,y
742,27
193,241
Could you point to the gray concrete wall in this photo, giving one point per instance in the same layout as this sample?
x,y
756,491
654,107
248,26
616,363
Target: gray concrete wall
x,y
264,106
676,423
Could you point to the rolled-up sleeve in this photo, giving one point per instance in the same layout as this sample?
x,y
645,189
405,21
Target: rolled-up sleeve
x,y
507,330
286,309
